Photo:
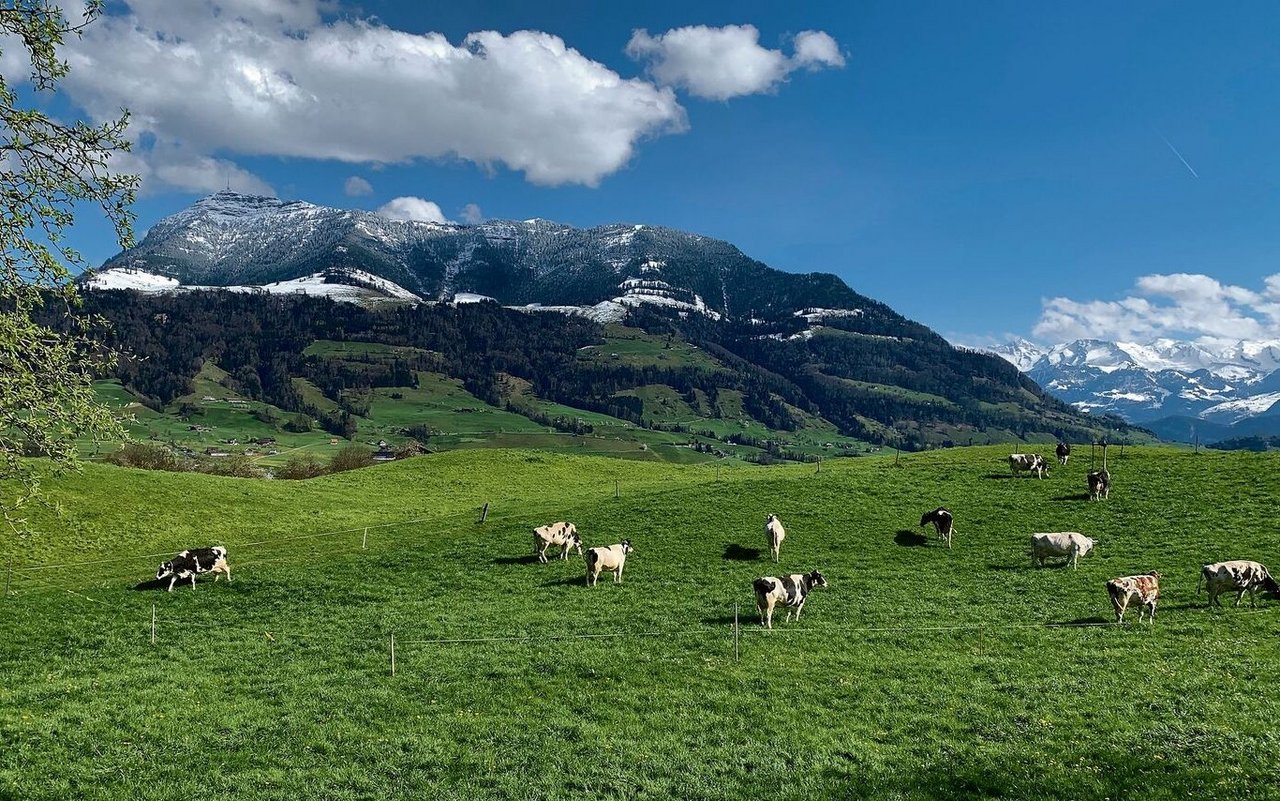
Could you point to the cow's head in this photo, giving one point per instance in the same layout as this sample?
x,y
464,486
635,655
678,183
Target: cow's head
x,y
1269,585
165,571
770,519
816,579
627,547
1086,546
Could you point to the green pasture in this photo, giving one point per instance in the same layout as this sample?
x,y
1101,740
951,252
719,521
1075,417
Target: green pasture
x,y
919,673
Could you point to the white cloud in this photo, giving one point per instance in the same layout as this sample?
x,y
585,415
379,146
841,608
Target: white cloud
x,y
1180,305
176,167
720,63
253,77
413,208
355,186
471,214
816,49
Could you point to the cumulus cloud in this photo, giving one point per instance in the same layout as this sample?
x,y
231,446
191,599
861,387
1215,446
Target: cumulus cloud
x,y
355,186
176,167
720,63
253,77
471,214
1182,305
413,208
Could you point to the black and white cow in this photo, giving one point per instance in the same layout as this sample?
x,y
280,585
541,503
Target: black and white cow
x,y
189,564
1099,485
1063,452
1032,462
790,591
942,521
1238,576
563,534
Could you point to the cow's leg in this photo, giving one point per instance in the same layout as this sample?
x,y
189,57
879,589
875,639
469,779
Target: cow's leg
x,y
1239,595
617,575
1151,616
799,608
193,581
172,581
1118,605
760,609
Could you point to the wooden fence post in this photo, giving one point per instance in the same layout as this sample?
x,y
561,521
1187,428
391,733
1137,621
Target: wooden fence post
x,y
615,488
364,543
484,513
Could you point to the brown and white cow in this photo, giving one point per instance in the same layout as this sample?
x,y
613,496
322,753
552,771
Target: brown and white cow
x,y
1071,544
1063,452
790,591
563,534
943,522
1032,462
774,534
1238,576
1099,485
1144,589
611,559
190,563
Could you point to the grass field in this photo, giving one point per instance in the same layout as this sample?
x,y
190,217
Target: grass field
x,y
918,673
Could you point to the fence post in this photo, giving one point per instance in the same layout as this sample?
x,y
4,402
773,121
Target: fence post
x,y
615,488
819,464
393,653
736,656
153,624
364,543
484,513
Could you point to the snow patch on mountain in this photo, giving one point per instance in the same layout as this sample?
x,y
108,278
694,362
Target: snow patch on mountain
x,y
129,278
1235,410
348,285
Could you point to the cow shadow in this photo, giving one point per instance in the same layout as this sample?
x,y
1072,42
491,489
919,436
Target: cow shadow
x,y
1079,496
739,553
1082,621
155,584
527,559
1000,476
727,620
910,539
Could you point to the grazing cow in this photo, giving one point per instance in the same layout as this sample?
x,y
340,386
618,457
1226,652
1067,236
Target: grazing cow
x,y
611,559
1238,576
790,591
775,534
1144,589
189,564
563,534
1070,544
1033,462
942,521
1099,485
1064,453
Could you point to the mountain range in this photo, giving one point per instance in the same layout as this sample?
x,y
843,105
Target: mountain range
x,y
1178,389
820,345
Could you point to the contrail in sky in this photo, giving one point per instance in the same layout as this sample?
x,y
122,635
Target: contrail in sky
x,y
1179,155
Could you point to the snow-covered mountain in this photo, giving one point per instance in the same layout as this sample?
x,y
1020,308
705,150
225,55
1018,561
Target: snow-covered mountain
x,y
243,241
1223,384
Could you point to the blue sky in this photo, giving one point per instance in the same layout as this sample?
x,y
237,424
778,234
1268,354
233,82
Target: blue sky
x,y
988,169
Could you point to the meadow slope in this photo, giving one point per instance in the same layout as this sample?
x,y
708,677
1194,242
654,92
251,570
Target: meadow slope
x,y
918,673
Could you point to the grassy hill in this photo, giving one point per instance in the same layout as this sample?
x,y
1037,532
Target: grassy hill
x,y
918,673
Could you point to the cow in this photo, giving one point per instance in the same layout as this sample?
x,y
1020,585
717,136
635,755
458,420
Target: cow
x,y
611,559
1070,544
942,521
1064,453
189,564
563,534
1033,462
1099,485
1239,576
774,533
1144,589
790,591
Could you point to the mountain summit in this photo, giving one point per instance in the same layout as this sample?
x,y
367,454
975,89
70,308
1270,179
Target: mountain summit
x,y
229,239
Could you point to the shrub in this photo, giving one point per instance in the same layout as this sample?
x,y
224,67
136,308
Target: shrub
x,y
236,465
301,466
351,457
299,424
148,457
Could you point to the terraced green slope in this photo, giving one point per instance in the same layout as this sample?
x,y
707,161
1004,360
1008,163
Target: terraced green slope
x,y
918,673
